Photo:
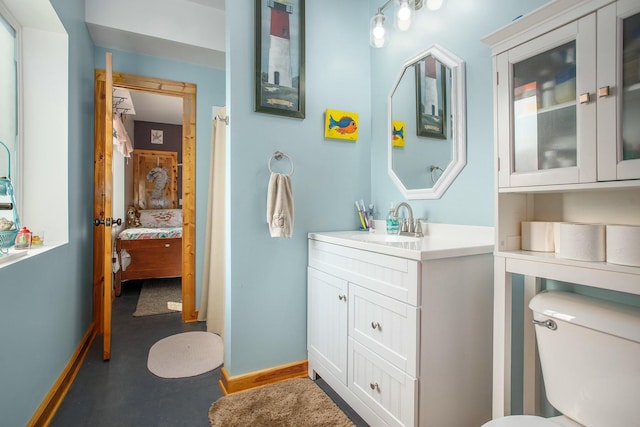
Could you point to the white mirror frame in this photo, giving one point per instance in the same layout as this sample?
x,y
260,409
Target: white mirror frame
x,y
458,110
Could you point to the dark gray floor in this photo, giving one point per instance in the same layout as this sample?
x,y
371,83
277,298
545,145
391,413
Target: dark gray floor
x,y
122,392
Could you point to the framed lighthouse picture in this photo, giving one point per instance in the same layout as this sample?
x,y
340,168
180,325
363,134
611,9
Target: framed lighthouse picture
x,y
279,75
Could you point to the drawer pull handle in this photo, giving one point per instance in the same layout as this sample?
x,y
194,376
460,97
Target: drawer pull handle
x,y
585,98
167,245
374,386
376,325
342,297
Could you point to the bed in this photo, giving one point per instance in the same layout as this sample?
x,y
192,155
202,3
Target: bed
x,y
153,250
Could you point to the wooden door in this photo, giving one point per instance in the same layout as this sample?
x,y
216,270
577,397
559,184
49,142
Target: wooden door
x,y
187,91
102,205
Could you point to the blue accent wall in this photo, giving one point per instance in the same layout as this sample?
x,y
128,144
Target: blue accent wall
x,y
46,301
267,277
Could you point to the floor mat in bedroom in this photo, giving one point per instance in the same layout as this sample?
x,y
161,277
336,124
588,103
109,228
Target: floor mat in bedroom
x,y
159,296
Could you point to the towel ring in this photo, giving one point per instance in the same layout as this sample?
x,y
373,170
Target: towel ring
x,y
434,173
278,155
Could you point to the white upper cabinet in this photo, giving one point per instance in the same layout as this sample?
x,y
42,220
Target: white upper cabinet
x,y
568,97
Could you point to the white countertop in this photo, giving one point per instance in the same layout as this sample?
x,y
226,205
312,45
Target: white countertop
x,y
440,241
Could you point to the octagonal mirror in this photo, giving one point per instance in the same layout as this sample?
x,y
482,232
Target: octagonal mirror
x,y
427,124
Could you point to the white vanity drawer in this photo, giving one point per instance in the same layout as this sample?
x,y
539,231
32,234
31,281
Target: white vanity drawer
x,y
386,326
385,389
394,277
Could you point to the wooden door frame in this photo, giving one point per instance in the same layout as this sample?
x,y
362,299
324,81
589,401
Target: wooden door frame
x,y
186,91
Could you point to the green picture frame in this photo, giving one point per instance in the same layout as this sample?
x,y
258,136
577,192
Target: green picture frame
x,y
279,58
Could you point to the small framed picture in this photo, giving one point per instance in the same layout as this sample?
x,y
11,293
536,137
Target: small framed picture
x,y
156,136
341,125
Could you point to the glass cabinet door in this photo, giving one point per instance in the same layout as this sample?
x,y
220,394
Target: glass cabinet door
x,y
544,110
551,133
630,122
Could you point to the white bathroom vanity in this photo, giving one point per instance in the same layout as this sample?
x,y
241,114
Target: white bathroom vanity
x,y
401,327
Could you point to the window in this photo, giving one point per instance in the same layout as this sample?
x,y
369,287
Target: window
x,y
8,95
41,102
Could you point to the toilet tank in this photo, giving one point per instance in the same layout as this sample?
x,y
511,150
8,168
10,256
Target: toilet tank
x,y
591,361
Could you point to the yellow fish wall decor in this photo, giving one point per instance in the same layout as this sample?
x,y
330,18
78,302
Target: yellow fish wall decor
x,y
398,132
341,125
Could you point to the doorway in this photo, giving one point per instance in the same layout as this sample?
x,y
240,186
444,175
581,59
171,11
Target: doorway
x,y
187,92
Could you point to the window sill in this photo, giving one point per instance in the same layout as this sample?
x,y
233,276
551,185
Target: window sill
x,y
15,255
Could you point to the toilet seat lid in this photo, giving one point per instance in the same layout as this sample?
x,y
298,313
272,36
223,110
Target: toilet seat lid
x,y
521,421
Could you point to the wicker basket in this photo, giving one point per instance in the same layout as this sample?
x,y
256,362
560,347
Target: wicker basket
x,y
7,238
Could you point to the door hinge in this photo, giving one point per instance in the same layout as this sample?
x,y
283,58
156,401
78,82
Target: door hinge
x,y
498,164
497,79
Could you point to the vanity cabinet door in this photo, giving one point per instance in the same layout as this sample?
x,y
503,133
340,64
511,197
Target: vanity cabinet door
x,y
387,327
327,322
618,72
547,127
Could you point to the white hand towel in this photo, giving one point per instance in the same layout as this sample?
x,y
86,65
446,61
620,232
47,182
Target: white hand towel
x,y
280,205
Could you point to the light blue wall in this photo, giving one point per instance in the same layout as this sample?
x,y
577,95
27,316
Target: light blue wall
x,y
458,27
210,91
46,301
266,293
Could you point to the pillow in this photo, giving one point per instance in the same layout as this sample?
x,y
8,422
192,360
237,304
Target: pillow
x,y
161,218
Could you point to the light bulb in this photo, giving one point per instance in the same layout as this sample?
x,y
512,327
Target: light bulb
x,y
379,34
404,12
403,15
378,43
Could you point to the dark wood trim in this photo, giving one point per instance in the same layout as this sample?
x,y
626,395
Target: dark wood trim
x,y
47,409
255,379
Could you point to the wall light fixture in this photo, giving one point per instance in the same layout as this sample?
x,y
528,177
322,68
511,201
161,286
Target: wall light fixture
x,y
405,9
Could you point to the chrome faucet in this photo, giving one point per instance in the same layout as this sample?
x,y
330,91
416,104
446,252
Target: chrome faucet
x,y
410,228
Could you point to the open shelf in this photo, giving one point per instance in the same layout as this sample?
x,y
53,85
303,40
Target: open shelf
x,y
547,265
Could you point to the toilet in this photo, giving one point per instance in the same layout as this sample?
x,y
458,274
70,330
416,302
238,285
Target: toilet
x,y
590,357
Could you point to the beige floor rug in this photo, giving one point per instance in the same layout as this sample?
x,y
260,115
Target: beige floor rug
x,y
291,403
186,355
159,296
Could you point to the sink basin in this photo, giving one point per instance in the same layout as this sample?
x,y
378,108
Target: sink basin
x,y
387,238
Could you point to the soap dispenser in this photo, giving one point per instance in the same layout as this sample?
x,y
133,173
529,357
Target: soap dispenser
x,y
393,225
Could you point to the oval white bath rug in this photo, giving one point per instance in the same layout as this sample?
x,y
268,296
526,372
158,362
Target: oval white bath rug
x,y
185,355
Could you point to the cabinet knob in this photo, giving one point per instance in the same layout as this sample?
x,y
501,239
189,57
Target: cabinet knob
x,y
342,297
585,98
374,386
603,91
376,325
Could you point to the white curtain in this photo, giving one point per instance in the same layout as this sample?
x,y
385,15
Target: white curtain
x,y
213,275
